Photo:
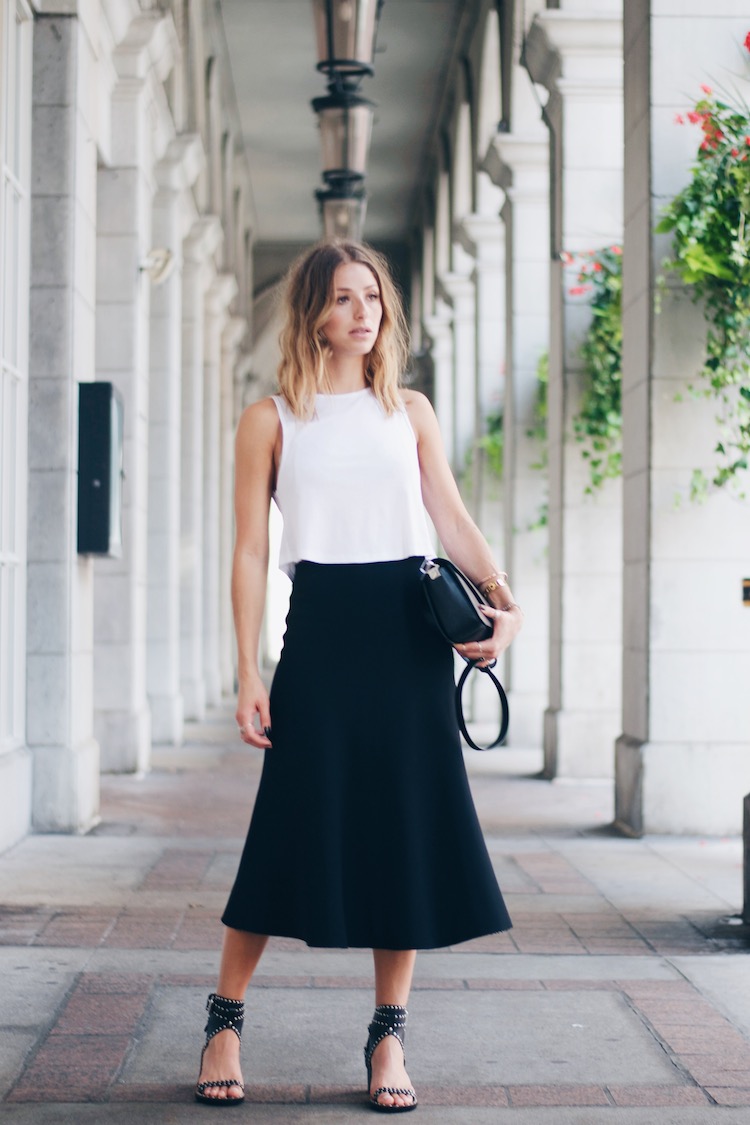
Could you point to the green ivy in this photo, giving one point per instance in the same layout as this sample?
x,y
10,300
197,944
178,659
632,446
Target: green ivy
x,y
491,443
709,221
538,432
598,424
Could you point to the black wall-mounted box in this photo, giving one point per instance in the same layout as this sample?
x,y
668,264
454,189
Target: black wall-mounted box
x,y
100,470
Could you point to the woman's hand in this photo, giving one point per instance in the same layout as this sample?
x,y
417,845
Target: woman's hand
x,y
253,700
505,625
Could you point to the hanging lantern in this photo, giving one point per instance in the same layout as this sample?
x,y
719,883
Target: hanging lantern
x,y
345,34
345,122
342,211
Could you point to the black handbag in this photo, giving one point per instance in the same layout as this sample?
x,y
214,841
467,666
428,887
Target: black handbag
x,y
453,606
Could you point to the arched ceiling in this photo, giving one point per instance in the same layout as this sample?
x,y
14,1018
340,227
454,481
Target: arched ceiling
x,y
272,56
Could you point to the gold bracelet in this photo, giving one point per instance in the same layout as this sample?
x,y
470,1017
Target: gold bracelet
x,y
488,584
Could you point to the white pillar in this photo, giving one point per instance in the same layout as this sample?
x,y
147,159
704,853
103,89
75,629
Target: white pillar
x,y
122,718
175,174
221,291
682,760
198,251
459,290
520,164
438,328
577,54
234,332
60,582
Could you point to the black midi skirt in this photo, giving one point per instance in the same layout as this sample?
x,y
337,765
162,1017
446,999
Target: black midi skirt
x,y
364,832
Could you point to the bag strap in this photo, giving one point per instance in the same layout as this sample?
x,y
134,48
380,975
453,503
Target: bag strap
x,y
504,714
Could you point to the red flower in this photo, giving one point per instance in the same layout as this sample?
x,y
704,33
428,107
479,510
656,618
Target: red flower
x,y
566,257
747,140
617,249
579,290
747,41
693,117
597,266
679,119
735,152
707,90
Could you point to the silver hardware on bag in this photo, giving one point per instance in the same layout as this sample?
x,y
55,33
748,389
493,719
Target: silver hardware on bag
x,y
430,568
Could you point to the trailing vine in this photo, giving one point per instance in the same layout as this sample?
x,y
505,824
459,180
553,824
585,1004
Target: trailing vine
x,y
538,433
597,426
492,444
709,221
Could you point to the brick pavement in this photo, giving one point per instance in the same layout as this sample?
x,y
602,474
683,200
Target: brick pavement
x,y
596,1000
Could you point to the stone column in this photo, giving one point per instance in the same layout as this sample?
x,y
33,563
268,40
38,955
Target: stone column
x,y
234,332
198,251
60,582
175,174
520,164
122,718
460,292
682,760
577,55
438,328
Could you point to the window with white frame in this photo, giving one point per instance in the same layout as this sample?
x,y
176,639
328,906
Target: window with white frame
x,y
15,174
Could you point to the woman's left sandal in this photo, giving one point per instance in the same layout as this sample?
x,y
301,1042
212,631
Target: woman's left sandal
x,y
388,1019
223,1015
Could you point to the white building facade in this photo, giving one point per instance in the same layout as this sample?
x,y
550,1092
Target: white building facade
x,y
128,238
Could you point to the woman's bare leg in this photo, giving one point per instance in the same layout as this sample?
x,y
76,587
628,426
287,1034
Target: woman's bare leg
x,y
394,969
240,955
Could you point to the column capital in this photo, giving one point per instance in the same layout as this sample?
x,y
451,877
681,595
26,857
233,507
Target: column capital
x,y
149,44
220,293
483,236
438,329
204,238
459,290
234,331
578,50
519,163
181,164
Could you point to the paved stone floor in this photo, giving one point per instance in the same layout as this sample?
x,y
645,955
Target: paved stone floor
x,y
618,996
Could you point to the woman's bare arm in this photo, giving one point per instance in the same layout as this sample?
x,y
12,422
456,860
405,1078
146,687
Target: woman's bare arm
x,y
257,434
460,536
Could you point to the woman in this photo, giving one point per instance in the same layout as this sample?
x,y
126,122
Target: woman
x,y
364,833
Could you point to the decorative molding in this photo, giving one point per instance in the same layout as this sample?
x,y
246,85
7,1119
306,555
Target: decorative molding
x,y
221,292
519,163
578,49
150,45
203,240
482,236
181,164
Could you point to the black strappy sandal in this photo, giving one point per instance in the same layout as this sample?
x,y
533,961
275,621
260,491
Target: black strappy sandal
x,y
223,1015
388,1019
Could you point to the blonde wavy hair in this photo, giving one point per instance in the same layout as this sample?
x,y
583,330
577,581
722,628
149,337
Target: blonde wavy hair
x,y
310,299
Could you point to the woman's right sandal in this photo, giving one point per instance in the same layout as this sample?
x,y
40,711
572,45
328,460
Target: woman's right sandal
x,y
223,1015
388,1019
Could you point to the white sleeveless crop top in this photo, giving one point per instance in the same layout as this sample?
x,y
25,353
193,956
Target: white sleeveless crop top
x,y
348,486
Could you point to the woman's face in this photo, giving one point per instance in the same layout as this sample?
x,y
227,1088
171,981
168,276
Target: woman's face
x,y
353,326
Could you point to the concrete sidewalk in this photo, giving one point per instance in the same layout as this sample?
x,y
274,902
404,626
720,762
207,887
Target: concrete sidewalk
x,y
616,997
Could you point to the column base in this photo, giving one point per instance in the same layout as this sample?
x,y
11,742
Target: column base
x,y
680,788
65,789
125,740
579,743
194,698
167,719
15,796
